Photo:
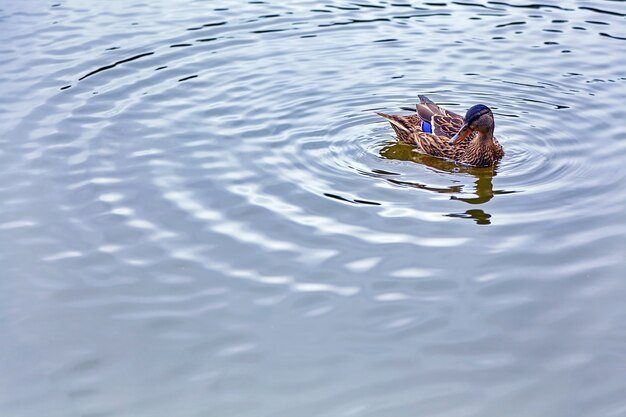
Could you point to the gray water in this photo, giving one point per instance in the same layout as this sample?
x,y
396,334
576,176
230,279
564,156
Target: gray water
x,y
201,214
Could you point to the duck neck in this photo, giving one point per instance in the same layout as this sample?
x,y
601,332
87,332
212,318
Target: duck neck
x,y
481,150
480,145
485,137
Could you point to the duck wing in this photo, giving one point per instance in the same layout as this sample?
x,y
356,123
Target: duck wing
x,y
443,122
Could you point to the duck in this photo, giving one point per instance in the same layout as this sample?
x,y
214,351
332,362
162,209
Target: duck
x,y
438,132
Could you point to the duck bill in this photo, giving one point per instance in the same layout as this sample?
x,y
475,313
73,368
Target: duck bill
x,y
464,132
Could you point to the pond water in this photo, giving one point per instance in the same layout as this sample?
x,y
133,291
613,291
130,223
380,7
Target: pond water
x,y
201,214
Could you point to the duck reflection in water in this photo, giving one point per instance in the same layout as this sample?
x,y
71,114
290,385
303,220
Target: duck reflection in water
x,y
483,192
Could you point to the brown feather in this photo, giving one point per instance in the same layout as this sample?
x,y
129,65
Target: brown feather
x,y
404,126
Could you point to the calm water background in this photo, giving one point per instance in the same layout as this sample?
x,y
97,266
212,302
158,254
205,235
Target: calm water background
x,y
201,215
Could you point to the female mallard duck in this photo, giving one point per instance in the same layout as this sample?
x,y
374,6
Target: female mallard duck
x,y
441,133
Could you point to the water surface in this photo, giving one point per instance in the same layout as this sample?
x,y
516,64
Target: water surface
x,y
201,214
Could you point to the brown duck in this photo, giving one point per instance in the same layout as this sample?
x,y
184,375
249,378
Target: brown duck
x,y
438,132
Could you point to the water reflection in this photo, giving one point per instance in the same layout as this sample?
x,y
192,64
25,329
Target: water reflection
x,y
483,186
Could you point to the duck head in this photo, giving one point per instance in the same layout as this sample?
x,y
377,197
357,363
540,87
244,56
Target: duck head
x,y
478,118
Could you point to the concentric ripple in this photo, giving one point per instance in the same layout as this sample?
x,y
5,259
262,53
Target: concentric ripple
x,y
203,215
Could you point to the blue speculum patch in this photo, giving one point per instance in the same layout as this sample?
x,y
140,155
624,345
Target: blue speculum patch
x,y
426,127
